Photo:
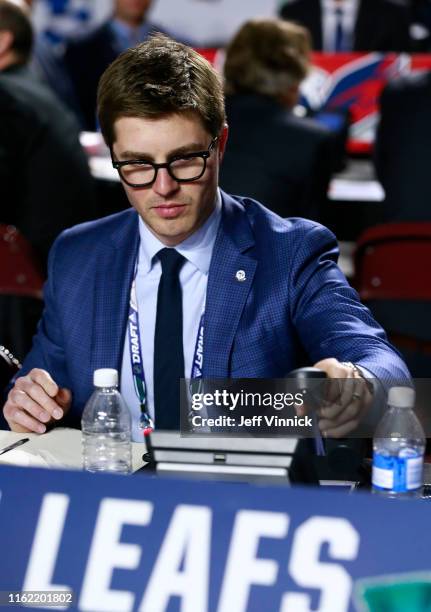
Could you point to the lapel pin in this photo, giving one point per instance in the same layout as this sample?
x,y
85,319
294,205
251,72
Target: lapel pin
x,y
240,276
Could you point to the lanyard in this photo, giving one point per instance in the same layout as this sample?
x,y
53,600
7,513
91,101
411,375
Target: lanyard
x,y
136,361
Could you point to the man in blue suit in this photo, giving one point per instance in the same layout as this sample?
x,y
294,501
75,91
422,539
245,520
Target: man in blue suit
x,y
192,264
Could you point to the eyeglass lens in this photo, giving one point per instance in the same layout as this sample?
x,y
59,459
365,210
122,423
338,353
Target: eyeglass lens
x,y
181,169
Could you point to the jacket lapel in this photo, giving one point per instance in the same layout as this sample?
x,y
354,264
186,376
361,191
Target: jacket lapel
x,y
229,281
113,280
363,33
230,278
316,25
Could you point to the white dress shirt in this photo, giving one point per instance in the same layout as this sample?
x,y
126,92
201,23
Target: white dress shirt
x,y
329,22
197,250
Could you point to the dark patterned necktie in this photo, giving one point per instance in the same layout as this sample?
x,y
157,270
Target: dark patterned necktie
x,y
339,34
168,342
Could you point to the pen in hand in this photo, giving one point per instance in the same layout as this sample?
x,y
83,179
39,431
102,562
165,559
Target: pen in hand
x,y
14,445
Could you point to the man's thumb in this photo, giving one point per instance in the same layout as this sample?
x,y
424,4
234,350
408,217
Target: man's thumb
x,y
64,397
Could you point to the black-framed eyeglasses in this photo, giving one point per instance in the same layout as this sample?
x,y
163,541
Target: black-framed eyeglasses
x,y
182,168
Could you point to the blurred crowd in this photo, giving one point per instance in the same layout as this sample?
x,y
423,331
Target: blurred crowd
x,y
276,153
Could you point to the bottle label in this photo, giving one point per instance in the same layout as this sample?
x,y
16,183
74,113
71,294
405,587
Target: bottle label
x,y
398,473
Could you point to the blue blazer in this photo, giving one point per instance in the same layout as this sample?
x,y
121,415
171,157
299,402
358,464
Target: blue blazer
x,y
293,308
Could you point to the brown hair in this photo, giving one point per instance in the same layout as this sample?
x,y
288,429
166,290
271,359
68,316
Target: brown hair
x,y
14,17
159,77
267,56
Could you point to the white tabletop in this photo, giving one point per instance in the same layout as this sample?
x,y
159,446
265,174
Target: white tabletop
x,y
59,448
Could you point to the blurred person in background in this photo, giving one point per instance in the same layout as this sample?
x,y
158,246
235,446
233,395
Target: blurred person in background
x,y
420,26
46,63
88,56
352,25
46,184
273,156
403,148
402,157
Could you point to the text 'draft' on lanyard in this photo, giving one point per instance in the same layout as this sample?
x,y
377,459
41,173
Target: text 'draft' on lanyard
x,y
145,421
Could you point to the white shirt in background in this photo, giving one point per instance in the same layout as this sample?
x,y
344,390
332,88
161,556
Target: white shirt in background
x,y
329,23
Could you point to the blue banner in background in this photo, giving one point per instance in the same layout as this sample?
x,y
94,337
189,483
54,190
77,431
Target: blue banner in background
x,y
155,544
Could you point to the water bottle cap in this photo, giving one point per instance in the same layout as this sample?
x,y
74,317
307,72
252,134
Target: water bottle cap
x,y
401,397
105,377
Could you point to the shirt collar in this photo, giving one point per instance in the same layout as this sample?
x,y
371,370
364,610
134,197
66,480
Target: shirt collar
x,y
128,36
346,5
197,248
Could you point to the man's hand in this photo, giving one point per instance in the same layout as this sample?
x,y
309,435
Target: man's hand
x,y
344,405
35,401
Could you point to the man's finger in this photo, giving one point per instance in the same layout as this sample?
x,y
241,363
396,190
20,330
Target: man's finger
x,y
15,415
32,402
24,419
351,394
27,387
49,406
22,401
44,379
333,390
353,390
331,410
350,412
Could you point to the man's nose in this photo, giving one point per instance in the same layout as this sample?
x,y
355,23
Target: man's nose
x,y
164,183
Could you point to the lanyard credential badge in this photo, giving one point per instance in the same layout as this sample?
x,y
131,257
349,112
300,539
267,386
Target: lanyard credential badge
x,y
145,421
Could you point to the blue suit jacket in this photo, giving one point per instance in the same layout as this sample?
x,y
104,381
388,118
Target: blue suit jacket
x,y
294,306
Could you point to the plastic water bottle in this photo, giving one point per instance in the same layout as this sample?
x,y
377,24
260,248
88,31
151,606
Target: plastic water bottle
x,y
398,448
106,427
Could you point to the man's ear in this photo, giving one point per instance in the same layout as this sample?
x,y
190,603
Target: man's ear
x,y
6,41
222,141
